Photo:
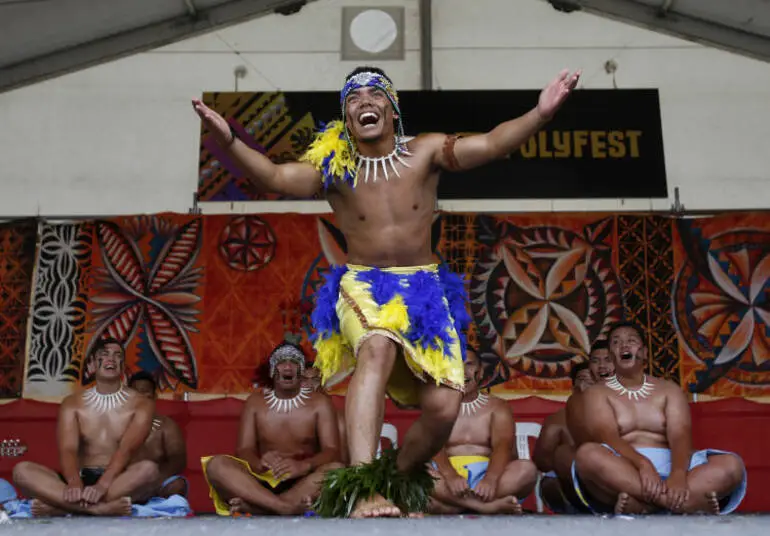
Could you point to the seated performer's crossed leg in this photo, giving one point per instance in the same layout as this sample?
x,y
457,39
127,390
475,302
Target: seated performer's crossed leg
x,y
713,483
139,481
51,494
238,488
234,482
610,479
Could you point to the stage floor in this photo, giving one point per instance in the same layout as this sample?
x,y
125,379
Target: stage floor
x,y
748,525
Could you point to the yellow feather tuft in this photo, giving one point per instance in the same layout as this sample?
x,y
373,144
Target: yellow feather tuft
x,y
329,354
435,363
331,139
394,316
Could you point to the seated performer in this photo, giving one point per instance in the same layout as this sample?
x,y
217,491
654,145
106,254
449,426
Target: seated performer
x,y
165,445
640,458
555,450
99,430
287,440
476,469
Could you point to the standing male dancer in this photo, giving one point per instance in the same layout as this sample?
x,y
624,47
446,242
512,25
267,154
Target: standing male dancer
x,y
390,314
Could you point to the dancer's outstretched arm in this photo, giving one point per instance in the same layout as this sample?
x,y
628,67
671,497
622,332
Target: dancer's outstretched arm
x,y
293,178
507,137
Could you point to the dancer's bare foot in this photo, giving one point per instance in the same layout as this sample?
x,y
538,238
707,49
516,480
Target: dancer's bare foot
x,y
415,515
376,506
713,503
505,506
40,509
118,508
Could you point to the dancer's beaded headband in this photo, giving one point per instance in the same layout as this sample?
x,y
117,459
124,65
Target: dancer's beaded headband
x,y
334,152
287,352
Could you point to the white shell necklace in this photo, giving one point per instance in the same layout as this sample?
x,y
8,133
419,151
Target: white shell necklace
x,y
103,403
285,405
470,408
374,163
641,392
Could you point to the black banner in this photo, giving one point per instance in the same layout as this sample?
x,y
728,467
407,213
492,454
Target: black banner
x,y
601,144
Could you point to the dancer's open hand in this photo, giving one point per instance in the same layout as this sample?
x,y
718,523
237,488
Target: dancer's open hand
x,y
555,93
214,122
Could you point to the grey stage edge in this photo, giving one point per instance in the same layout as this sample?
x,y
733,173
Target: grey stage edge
x,y
743,525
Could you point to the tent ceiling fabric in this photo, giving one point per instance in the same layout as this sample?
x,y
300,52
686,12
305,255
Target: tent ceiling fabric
x,y
44,38
741,26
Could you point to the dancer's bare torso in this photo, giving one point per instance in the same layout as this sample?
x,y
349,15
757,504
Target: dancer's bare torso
x,y
388,222
100,433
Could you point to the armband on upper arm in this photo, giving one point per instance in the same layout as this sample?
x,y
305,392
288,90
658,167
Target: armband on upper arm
x,y
449,153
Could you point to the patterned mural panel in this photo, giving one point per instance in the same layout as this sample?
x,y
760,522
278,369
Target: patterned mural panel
x,y
200,301
720,303
646,268
17,260
544,288
57,334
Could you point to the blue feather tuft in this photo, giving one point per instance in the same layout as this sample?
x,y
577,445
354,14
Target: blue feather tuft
x,y
456,295
428,315
324,316
383,285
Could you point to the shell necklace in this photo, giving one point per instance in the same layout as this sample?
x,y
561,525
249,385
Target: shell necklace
x,y
368,163
641,392
103,403
470,408
286,405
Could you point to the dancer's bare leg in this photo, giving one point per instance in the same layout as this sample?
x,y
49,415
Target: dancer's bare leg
x,y
439,408
365,411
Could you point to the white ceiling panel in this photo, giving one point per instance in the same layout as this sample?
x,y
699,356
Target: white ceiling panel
x,y
44,38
